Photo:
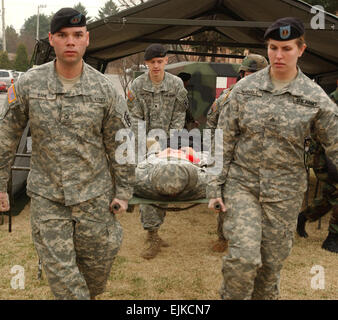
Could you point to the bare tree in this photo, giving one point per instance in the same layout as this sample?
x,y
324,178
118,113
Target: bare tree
x,y
124,76
124,4
126,68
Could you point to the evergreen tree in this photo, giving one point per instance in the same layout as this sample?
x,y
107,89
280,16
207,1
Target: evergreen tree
x,y
28,31
12,39
21,62
82,9
5,63
30,26
109,9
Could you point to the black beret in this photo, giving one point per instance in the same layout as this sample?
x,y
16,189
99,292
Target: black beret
x,y
155,50
65,18
285,29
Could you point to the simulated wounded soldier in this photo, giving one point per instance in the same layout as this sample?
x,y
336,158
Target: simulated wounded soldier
x,y
171,175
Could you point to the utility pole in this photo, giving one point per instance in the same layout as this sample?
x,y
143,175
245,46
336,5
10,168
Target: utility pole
x,y
37,20
3,27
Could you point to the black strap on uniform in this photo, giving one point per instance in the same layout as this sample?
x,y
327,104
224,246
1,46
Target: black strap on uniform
x,y
306,150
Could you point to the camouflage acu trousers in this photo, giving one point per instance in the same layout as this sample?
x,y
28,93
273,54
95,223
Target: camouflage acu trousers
x,y
151,217
260,238
76,244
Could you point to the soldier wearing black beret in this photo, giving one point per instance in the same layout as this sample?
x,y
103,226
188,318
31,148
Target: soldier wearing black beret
x,y
155,50
67,17
74,181
159,99
264,121
285,29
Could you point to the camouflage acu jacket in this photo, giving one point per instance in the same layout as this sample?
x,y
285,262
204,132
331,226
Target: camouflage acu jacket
x,y
169,112
73,135
264,132
215,109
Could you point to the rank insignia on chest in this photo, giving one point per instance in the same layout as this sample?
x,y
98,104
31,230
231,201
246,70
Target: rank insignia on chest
x,y
11,94
304,102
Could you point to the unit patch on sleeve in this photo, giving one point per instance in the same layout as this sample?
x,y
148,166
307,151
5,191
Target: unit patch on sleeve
x,y
130,96
11,94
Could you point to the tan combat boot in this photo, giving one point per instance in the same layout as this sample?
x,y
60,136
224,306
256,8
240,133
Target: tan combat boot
x,y
221,245
154,245
154,233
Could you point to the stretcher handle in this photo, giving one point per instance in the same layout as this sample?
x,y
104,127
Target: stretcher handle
x,y
217,206
116,207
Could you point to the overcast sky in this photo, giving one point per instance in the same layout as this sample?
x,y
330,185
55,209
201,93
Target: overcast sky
x,y
16,11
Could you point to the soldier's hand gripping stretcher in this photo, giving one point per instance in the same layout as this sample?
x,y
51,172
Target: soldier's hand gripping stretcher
x,y
118,206
217,204
171,176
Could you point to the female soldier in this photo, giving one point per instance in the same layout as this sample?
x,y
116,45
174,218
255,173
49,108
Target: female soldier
x,y
269,114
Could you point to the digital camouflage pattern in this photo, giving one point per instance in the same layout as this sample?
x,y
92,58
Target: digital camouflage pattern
x,y
327,198
150,170
70,181
264,178
251,63
253,113
68,162
163,107
260,238
86,238
214,111
170,179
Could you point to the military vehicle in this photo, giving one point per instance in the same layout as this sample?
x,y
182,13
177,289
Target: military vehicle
x,y
208,80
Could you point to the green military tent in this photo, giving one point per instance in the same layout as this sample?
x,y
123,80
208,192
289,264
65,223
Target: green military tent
x,y
242,24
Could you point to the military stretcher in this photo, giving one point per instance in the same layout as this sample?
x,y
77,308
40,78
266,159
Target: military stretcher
x,y
135,200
